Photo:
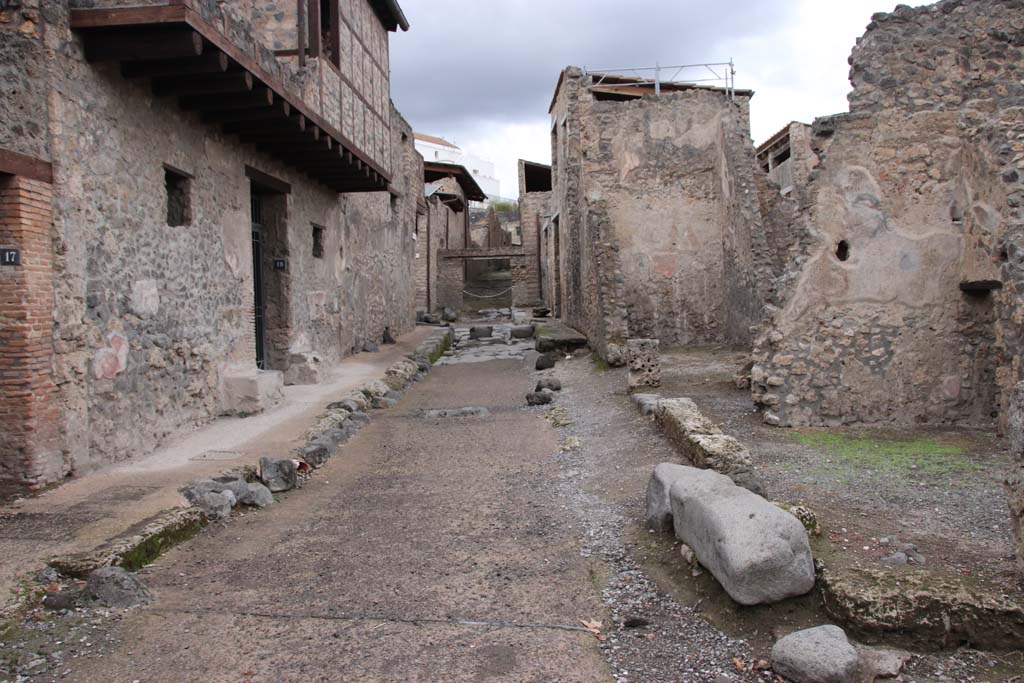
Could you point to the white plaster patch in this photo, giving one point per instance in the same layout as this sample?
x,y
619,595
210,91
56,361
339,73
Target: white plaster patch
x,y
145,298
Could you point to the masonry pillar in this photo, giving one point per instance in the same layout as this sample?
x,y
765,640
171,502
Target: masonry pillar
x,y
30,434
450,281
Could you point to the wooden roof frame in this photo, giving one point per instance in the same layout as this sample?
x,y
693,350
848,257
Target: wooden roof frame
x,y
435,170
186,57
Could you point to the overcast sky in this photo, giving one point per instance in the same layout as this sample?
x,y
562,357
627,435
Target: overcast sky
x,y
481,73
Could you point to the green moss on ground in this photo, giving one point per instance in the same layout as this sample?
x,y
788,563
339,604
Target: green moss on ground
x,y
892,454
446,343
150,549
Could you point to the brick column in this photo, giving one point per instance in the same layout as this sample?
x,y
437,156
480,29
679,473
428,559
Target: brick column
x,y
30,431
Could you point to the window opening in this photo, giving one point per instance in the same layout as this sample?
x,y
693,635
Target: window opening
x,y
179,197
318,241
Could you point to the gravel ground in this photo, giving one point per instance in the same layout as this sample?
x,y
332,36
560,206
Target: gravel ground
x,y
952,508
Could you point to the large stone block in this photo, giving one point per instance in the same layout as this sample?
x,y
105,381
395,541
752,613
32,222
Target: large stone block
x,y
644,363
554,336
303,368
757,551
679,417
659,504
719,452
251,391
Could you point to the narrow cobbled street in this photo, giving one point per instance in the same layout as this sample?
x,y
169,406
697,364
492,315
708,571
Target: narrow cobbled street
x,y
492,546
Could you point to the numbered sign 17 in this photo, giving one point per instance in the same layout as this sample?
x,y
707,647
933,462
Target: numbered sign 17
x,y
10,257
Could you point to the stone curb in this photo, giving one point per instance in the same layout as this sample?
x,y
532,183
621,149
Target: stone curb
x,y
147,540
700,440
934,611
138,546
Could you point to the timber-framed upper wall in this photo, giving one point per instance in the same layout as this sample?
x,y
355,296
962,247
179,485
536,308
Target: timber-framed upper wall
x,y
309,87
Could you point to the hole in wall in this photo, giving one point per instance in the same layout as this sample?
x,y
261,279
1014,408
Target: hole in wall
x,y
843,250
318,241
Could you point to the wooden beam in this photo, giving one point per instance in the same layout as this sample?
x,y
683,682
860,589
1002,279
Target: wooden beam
x,y
210,62
142,44
258,118
267,180
128,16
259,97
15,163
210,84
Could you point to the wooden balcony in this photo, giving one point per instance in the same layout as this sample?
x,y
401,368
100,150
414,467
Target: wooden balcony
x,y
186,58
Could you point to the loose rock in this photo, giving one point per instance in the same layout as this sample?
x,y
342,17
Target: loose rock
x,y
257,495
481,332
216,506
316,455
816,655
538,398
278,475
549,383
115,587
546,361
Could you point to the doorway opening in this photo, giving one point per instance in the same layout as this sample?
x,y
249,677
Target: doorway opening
x,y
270,275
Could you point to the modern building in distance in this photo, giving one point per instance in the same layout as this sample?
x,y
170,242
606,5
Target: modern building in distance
x,y
438,149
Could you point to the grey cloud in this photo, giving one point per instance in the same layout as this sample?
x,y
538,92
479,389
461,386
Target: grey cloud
x,y
467,63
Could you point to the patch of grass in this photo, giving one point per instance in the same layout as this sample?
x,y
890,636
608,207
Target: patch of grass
x,y
891,454
600,364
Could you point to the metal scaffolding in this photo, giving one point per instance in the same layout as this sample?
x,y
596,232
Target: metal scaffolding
x,y
713,74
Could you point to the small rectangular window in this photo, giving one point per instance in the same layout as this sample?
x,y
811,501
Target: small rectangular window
x,y
318,241
179,196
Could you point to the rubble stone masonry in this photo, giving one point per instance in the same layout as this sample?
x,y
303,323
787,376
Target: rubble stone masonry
x,y
659,218
902,300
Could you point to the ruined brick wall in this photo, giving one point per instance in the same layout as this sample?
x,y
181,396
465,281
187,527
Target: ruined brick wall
x,y
439,220
148,317
450,282
31,452
658,200
533,208
918,190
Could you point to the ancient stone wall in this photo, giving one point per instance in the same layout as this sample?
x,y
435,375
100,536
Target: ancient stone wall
x,y
24,78
657,199
533,209
451,280
918,192
433,227
151,317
